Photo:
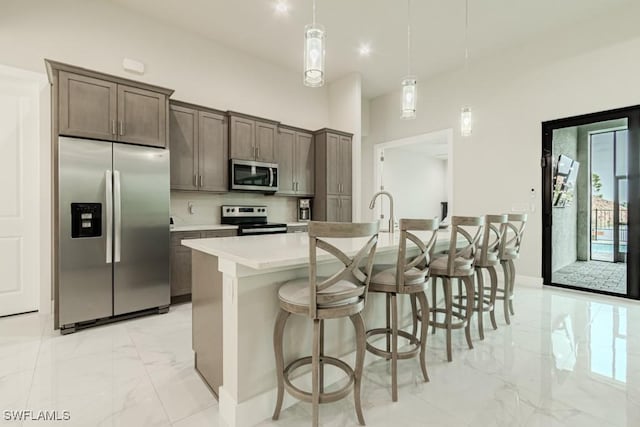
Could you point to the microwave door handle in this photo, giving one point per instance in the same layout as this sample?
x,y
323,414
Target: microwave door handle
x,y
270,177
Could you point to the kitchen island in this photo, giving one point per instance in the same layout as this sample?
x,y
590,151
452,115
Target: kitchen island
x,y
235,303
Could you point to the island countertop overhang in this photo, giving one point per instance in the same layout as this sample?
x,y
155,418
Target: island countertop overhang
x,y
292,249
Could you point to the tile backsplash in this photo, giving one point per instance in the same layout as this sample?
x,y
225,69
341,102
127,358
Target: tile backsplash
x,y
207,206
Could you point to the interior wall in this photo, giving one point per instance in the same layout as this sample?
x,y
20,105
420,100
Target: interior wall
x,y
417,181
98,35
572,72
564,238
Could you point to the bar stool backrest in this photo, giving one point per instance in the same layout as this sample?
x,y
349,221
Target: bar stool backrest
x,y
357,268
470,229
512,238
425,250
494,228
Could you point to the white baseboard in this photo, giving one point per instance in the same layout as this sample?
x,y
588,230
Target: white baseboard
x,y
531,281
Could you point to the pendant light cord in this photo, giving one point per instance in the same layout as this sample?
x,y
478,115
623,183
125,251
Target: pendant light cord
x,y
408,37
466,34
314,13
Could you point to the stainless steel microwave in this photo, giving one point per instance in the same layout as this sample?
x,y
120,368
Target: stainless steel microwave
x,y
248,175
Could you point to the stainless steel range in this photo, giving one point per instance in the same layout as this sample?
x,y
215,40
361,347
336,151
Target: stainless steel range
x,y
251,220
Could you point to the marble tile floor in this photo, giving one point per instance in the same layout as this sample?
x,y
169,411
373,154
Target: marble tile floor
x,y
568,359
596,275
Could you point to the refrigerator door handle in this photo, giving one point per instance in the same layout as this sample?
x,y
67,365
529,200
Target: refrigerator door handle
x,y
117,215
109,210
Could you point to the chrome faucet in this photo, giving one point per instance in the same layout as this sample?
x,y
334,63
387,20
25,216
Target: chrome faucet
x,y
373,205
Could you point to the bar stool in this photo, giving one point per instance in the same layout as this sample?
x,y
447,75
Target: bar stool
x,y
410,276
510,251
343,294
456,264
487,258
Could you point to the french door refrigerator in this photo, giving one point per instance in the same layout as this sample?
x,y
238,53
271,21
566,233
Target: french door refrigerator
x,y
113,231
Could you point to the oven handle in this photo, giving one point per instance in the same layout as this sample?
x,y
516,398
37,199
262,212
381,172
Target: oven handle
x,y
272,230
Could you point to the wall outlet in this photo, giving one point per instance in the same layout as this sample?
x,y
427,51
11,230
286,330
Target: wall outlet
x,y
191,208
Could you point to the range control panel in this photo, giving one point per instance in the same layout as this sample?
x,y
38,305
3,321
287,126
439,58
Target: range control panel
x,y
86,220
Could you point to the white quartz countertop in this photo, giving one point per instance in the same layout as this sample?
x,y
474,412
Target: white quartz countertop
x,y
289,250
202,227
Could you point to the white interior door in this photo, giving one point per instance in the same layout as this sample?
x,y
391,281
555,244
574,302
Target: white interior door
x,y
19,193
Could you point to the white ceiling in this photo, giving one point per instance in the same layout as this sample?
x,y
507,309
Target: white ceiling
x,y
437,26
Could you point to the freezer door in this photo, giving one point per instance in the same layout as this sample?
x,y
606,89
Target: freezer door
x,y
141,228
84,243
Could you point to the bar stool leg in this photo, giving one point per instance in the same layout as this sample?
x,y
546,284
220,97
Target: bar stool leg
x,y
394,347
315,373
480,278
321,367
507,281
468,281
492,297
424,307
512,276
278,333
361,344
448,298
388,338
414,314
434,303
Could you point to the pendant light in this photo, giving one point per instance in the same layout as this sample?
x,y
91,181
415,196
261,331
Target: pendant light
x,y
314,46
465,117
409,83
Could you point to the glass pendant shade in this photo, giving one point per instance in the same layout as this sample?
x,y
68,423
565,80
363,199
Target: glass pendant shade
x,y
409,98
314,46
465,122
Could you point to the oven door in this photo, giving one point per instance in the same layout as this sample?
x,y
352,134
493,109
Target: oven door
x,y
254,176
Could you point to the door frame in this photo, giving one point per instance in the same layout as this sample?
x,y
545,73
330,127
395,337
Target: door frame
x,y
632,114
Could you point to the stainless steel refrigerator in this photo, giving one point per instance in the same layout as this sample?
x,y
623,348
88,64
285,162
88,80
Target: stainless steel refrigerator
x,y
113,231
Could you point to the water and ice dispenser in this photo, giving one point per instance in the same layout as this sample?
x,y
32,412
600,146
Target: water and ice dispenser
x,y
86,220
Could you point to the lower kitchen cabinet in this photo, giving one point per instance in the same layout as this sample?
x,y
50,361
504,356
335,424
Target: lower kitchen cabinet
x,y
180,259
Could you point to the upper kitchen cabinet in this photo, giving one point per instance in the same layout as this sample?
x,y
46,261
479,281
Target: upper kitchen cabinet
x,y
199,148
295,156
95,105
142,116
333,169
252,138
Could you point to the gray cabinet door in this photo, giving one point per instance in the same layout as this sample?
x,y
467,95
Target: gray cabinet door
x,y
345,167
285,157
345,209
333,209
242,138
214,152
183,142
304,164
87,107
181,263
219,233
333,164
142,116
265,142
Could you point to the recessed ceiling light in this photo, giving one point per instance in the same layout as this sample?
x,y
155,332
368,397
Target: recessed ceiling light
x,y
364,50
281,7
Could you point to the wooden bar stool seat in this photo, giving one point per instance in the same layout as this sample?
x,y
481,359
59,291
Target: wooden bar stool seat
x,y
459,264
343,294
410,276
